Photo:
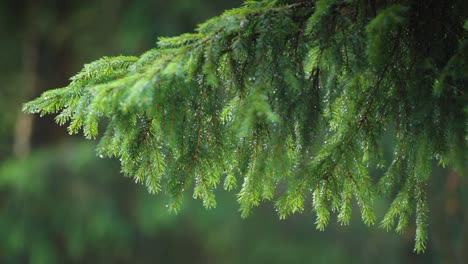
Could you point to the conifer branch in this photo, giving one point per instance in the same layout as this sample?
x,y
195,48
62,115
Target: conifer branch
x,y
288,96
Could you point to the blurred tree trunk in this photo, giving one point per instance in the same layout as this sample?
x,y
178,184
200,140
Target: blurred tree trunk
x,y
24,122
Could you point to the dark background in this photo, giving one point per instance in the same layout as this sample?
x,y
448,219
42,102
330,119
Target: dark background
x,y
60,203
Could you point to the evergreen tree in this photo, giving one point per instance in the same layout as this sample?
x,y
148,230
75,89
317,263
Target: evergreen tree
x,y
289,100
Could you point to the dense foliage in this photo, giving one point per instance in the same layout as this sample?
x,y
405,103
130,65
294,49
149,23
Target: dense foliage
x,y
289,100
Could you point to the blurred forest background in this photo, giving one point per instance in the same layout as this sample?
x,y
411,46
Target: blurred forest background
x,y
60,203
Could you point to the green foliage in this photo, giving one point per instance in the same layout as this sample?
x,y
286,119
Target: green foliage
x,y
62,205
291,98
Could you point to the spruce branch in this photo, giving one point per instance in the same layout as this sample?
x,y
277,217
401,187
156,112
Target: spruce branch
x,y
286,96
